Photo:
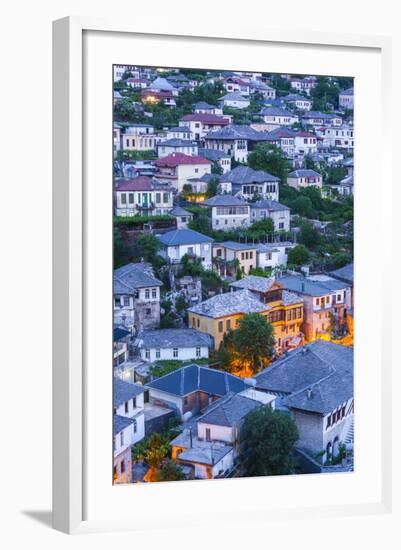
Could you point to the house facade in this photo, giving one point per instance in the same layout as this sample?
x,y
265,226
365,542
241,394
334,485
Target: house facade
x,y
304,178
275,117
346,99
271,255
169,146
181,242
178,168
173,344
277,212
200,124
228,212
229,256
234,100
136,297
142,195
246,183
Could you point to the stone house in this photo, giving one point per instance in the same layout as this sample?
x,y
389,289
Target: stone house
x,y
181,344
228,212
181,242
230,255
136,297
246,183
200,124
142,195
277,212
304,178
178,168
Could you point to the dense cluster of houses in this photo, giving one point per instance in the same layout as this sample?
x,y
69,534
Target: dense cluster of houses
x,y
311,376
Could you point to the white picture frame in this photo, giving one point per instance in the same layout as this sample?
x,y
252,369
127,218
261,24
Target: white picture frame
x,y
70,260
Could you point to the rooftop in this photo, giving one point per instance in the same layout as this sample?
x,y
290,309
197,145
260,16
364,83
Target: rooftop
x,y
230,303
178,211
229,410
237,131
233,245
174,337
120,423
243,175
304,174
345,273
318,285
276,111
234,96
124,391
268,204
213,154
128,278
224,200
183,236
193,378
206,118
177,159
255,283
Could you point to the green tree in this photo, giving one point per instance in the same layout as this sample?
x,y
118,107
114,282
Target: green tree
x,y
212,187
303,207
309,235
156,449
169,471
266,441
270,158
260,229
148,246
122,253
254,341
299,255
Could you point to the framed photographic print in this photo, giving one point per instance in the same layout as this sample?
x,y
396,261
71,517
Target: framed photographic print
x,y
208,331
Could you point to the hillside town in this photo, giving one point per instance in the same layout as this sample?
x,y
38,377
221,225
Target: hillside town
x,y
233,274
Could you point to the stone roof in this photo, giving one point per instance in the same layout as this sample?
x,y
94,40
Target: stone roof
x,y
232,245
229,410
178,159
205,453
345,273
268,247
124,391
255,283
268,204
224,200
182,237
349,91
128,278
174,337
234,96
230,303
193,378
178,211
303,174
176,142
120,423
119,333
162,84
317,285
203,105
305,367
237,131
213,154
276,111
243,175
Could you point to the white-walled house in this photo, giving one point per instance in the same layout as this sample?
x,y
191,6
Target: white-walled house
x,y
205,108
234,100
142,195
299,102
182,217
305,143
228,212
179,168
247,183
271,255
277,212
179,132
340,137
129,426
181,242
346,98
136,297
181,344
304,178
200,124
215,156
176,145
275,117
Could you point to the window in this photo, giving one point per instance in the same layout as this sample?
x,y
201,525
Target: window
x,y
158,198
117,301
123,198
208,435
126,407
175,352
198,322
328,422
131,198
147,354
135,426
154,293
122,466
147,294
198,351
126,301
148,311
134,402
157,354
121,439
220,326
165,197
228,324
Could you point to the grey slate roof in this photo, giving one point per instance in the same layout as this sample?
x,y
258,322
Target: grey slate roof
x,y
303,174
307,366
348,91
224,200
345,273
237,131
128,278
120,423
233,96
119,333
255,283
268,204
181,129
203,105
232,245
183,236
312,285
203,454
193,378
176,142
243,175
124,391
174,337
178,211
268,247
229,410
222,305
275,111
213,154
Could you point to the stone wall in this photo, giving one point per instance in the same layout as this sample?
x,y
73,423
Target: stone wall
x,y
119,475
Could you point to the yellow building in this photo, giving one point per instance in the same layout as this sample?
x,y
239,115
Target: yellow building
x,y
229,255
222,313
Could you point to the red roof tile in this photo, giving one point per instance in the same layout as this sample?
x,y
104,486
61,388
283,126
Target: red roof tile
x,y
140,183
175,159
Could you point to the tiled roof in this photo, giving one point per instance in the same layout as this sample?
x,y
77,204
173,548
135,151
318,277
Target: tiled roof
x,y
274,111
232,245
120,423
312,285
303,174
268,204
237,131
345,273
119,333
349,91
177,159
203,105
128,278
255,283
183,236
206,454
140,183
206,118
230,303
213,154
176,142
174,337
224,200
234,96
124,391
194,378
162,84
243,175
306,366
229,410
178,211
